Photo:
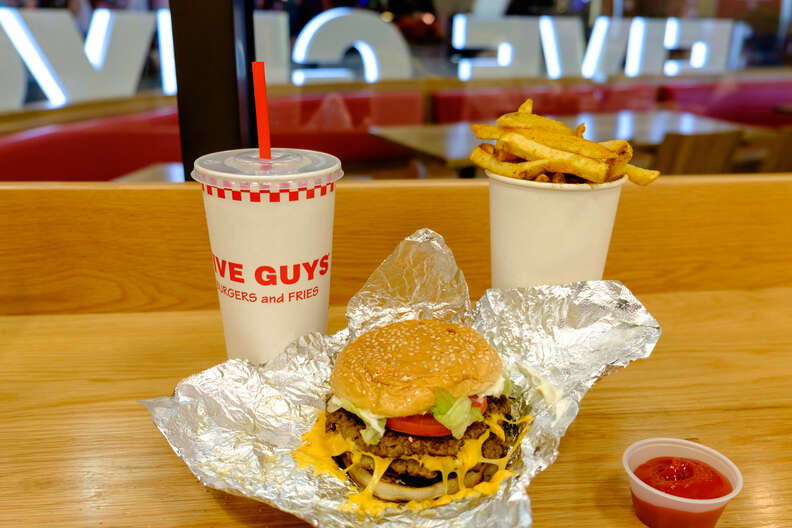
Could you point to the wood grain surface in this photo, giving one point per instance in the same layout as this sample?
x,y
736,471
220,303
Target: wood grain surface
x,y
88,248
76,449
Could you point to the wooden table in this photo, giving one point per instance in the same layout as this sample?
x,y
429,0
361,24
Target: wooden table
x,y
452,143
76,449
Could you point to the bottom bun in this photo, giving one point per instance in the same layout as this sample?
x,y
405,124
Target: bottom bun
x,y
390,491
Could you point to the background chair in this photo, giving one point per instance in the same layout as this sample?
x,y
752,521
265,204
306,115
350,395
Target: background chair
x,y
697,153
779,154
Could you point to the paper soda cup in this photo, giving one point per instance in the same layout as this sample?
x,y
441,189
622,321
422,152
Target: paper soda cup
x,y
549,233
271,233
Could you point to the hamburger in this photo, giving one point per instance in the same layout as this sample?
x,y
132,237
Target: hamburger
x,y
419,411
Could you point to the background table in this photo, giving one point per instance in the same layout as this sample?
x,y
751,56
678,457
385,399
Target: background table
x,y
452,143
96,331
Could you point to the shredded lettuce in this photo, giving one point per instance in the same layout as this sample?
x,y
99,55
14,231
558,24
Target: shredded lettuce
x,y
508,386
375,425
455,413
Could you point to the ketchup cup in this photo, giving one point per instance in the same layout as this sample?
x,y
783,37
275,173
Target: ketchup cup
x,y
658,509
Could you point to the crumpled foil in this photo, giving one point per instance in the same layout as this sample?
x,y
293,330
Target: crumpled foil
x,y
235,425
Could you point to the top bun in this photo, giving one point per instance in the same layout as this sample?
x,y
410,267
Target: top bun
x,y
394,370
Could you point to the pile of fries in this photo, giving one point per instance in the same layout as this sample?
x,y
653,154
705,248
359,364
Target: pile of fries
x,y
533,147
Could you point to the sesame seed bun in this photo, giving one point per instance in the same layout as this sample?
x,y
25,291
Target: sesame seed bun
x,y
394,370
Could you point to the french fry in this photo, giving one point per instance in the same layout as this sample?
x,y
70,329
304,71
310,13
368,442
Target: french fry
x,y
505,155
499,154
567,143
559,160
620,147
624,153
526,107
523,120
483,131
488,161
531,146
640,176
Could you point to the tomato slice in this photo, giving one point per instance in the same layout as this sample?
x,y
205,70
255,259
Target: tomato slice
x,y
425,424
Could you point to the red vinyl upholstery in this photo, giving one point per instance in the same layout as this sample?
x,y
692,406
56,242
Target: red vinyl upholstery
x,y
107,148
748,102
486,104
338,123
636,97
95,150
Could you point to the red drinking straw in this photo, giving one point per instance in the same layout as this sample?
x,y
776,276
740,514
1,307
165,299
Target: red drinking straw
x,y
262,114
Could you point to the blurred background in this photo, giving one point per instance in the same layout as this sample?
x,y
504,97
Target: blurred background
x,y
698,86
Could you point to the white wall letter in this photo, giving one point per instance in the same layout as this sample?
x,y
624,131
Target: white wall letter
x,y
515,38
107,64
645,52
606,48
708,39
564,55
326,38
13,79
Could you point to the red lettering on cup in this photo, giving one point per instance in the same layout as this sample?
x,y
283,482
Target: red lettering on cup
x,y
310,267
234,269
220,265
266,280
284,274
235,272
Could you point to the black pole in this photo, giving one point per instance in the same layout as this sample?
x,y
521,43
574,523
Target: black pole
x,y
213,47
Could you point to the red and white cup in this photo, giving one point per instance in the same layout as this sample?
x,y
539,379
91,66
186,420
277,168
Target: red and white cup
x,y
271,234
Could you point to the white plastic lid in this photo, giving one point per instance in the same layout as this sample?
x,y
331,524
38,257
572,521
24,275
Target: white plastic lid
x,y
243,169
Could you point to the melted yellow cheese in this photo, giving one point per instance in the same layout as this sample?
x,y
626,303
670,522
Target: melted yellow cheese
x,y
319,447
493,422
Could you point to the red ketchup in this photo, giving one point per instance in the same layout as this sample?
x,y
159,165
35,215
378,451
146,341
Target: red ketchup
x,y
681,477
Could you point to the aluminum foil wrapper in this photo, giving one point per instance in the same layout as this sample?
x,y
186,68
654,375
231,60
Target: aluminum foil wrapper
x,y
235,425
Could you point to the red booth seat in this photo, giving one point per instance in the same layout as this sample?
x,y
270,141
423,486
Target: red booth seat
x,y
107,148
95,150
748,102
481,104
636,97
338,123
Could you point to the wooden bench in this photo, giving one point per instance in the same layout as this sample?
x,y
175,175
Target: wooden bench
x,y
102,247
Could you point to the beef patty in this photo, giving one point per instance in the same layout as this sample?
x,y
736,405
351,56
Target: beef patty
x,y
396,445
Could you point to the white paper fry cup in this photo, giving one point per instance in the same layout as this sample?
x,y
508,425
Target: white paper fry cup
x,y
549,233
271,233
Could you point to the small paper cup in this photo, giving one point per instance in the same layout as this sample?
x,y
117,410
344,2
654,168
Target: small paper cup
x,y
549,233
658,509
